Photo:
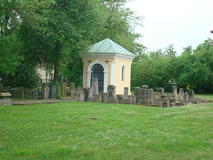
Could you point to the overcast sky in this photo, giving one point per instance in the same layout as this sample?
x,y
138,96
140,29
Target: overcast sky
x,y
177,22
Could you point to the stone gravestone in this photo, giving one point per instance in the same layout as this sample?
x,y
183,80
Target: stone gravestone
x,y
93,92
126,99
95,87
137,94
160,90
165,102
35,93
78,91
146,96
13,92
174,91
111,96
120,99
5,99
126,93
90,96
82,96
53,92
187,100
157,99
72,89
46,91
145,87
191,94
181,94
64,89
86,94
20,93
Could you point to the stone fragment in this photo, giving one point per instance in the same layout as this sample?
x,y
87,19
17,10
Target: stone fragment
x,y
126,93
5,99
72,89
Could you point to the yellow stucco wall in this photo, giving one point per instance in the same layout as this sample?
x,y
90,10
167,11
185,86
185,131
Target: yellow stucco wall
x,y
119,63
113,72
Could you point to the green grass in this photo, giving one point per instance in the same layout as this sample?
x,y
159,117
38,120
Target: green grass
x,y
205,96
92,131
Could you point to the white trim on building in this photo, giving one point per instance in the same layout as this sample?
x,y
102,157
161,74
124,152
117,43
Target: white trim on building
x,y
89,72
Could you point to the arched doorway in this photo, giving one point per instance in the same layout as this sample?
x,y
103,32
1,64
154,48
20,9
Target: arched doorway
x,y
98,72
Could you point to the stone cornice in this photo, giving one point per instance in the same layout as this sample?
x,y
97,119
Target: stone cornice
x,y
107,55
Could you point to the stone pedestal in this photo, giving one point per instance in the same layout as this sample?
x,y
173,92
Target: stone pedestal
x,y
64,89
111,97
5,99
72,89
174,91
126,93
46,92
181,94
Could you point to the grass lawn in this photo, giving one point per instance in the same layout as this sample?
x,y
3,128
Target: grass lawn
x,y
205,96
92,131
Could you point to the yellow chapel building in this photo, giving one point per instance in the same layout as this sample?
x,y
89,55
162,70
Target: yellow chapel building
x,y
110,63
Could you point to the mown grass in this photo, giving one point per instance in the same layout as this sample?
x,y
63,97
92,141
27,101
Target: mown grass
x,y
93,131
205,96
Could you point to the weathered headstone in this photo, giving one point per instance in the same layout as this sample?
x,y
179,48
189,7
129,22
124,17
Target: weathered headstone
x,y
93,92
86,93
145,87
53,92
187,97
13,92
104,97
126,93
82,96
90,96
111,97
132,99
146,96
174,91
165,102
95,87
120,99
161,90
35,93
78,91
181,94
72,89
58,91
191,94
5,99
46,91
137,93
157,99
64,89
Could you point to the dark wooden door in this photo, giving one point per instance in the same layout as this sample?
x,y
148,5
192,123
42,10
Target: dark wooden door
x,y
98,72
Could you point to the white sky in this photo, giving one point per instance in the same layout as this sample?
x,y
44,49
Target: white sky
x,y
177,22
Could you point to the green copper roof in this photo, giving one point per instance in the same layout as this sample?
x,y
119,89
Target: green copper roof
x,y
107,46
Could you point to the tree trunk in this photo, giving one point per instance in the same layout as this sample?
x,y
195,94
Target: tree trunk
x,y
56,61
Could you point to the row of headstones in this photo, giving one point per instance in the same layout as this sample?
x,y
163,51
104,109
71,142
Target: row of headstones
x,y
142,96
47,92
158,97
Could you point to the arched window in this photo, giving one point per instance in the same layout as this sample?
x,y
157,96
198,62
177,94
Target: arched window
x,y
98,72
123,73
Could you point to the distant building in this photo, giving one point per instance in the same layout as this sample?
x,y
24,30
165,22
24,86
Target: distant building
x,y
110,63
45,75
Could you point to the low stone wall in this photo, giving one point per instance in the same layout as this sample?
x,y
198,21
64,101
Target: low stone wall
x,y
143,96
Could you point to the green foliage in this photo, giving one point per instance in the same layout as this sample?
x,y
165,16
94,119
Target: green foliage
x,y
9,54
24,76
192,69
